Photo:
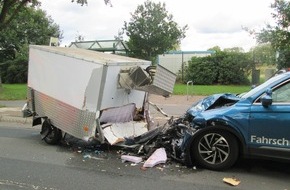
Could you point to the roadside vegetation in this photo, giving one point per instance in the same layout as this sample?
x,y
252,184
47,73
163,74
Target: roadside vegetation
x,y
204,90
13,92
19,91
230,70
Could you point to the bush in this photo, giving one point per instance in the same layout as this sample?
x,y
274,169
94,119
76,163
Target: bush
x,y
201,71
14,71
221,68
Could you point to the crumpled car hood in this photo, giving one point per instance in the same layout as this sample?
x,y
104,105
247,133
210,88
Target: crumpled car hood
x,y
212,102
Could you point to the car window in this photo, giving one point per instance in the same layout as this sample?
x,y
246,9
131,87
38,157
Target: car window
x,y
282,93
262,86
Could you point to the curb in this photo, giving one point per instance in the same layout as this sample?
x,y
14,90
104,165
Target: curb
x,y
13,114
4,118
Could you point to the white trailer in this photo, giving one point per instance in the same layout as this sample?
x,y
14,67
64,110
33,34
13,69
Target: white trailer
x,y
90,94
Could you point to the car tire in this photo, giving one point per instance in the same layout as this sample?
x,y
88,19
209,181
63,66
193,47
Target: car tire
x,y
215,149
53,135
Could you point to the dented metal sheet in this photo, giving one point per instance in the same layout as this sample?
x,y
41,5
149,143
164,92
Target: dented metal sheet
x,y
153,79
212,102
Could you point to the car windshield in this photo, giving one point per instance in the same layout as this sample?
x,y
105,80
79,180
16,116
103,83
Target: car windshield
x,y
264,85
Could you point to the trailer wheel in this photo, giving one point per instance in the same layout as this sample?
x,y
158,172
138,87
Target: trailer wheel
x,y
49,133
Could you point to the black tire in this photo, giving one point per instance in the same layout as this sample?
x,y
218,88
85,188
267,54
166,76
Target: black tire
x,y
215,150
53,135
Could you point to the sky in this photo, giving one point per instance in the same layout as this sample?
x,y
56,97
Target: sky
x,y
210,22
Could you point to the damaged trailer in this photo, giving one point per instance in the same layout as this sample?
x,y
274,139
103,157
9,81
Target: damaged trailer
x,y
91,95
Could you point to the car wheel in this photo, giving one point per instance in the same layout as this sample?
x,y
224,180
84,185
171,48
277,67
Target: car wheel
x,y
50,134
215,150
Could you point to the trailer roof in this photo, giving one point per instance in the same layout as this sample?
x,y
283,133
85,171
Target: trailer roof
x,y
89,55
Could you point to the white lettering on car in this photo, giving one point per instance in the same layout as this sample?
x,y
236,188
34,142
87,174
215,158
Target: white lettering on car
x,y
270,141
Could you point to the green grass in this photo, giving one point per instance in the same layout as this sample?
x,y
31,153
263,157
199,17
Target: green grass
x,y
13,92
183,89
19,91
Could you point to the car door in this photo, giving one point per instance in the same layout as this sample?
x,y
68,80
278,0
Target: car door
x,y
269,126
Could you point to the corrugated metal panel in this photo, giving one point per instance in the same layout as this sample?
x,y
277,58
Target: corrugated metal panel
x,y
79,123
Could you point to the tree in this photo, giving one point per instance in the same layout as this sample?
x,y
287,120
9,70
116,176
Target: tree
x,y
85,2
278,36
263,54
234,49
30,26
215,48
9,9
152,31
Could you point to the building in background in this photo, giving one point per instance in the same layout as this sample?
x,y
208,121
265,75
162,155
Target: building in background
x,y
175,61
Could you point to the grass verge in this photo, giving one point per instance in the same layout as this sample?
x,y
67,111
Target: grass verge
x,y
183,89
13,92
19,91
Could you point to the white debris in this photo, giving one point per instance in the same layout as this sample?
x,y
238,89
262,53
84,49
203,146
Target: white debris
x,y
158,157
133,159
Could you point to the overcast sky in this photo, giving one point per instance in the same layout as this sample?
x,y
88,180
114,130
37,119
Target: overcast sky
x,y
211,22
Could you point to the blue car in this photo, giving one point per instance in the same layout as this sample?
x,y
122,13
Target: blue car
x,y
219,129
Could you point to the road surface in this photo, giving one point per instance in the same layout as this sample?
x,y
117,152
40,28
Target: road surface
x,y
26,162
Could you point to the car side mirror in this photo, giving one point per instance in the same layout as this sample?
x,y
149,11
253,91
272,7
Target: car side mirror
x,y
267,98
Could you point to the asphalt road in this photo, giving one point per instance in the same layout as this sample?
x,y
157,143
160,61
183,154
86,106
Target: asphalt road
x,y
26,162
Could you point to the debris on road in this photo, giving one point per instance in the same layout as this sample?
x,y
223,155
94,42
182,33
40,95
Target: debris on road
x,y
158,157
231,181
133,159
88,156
